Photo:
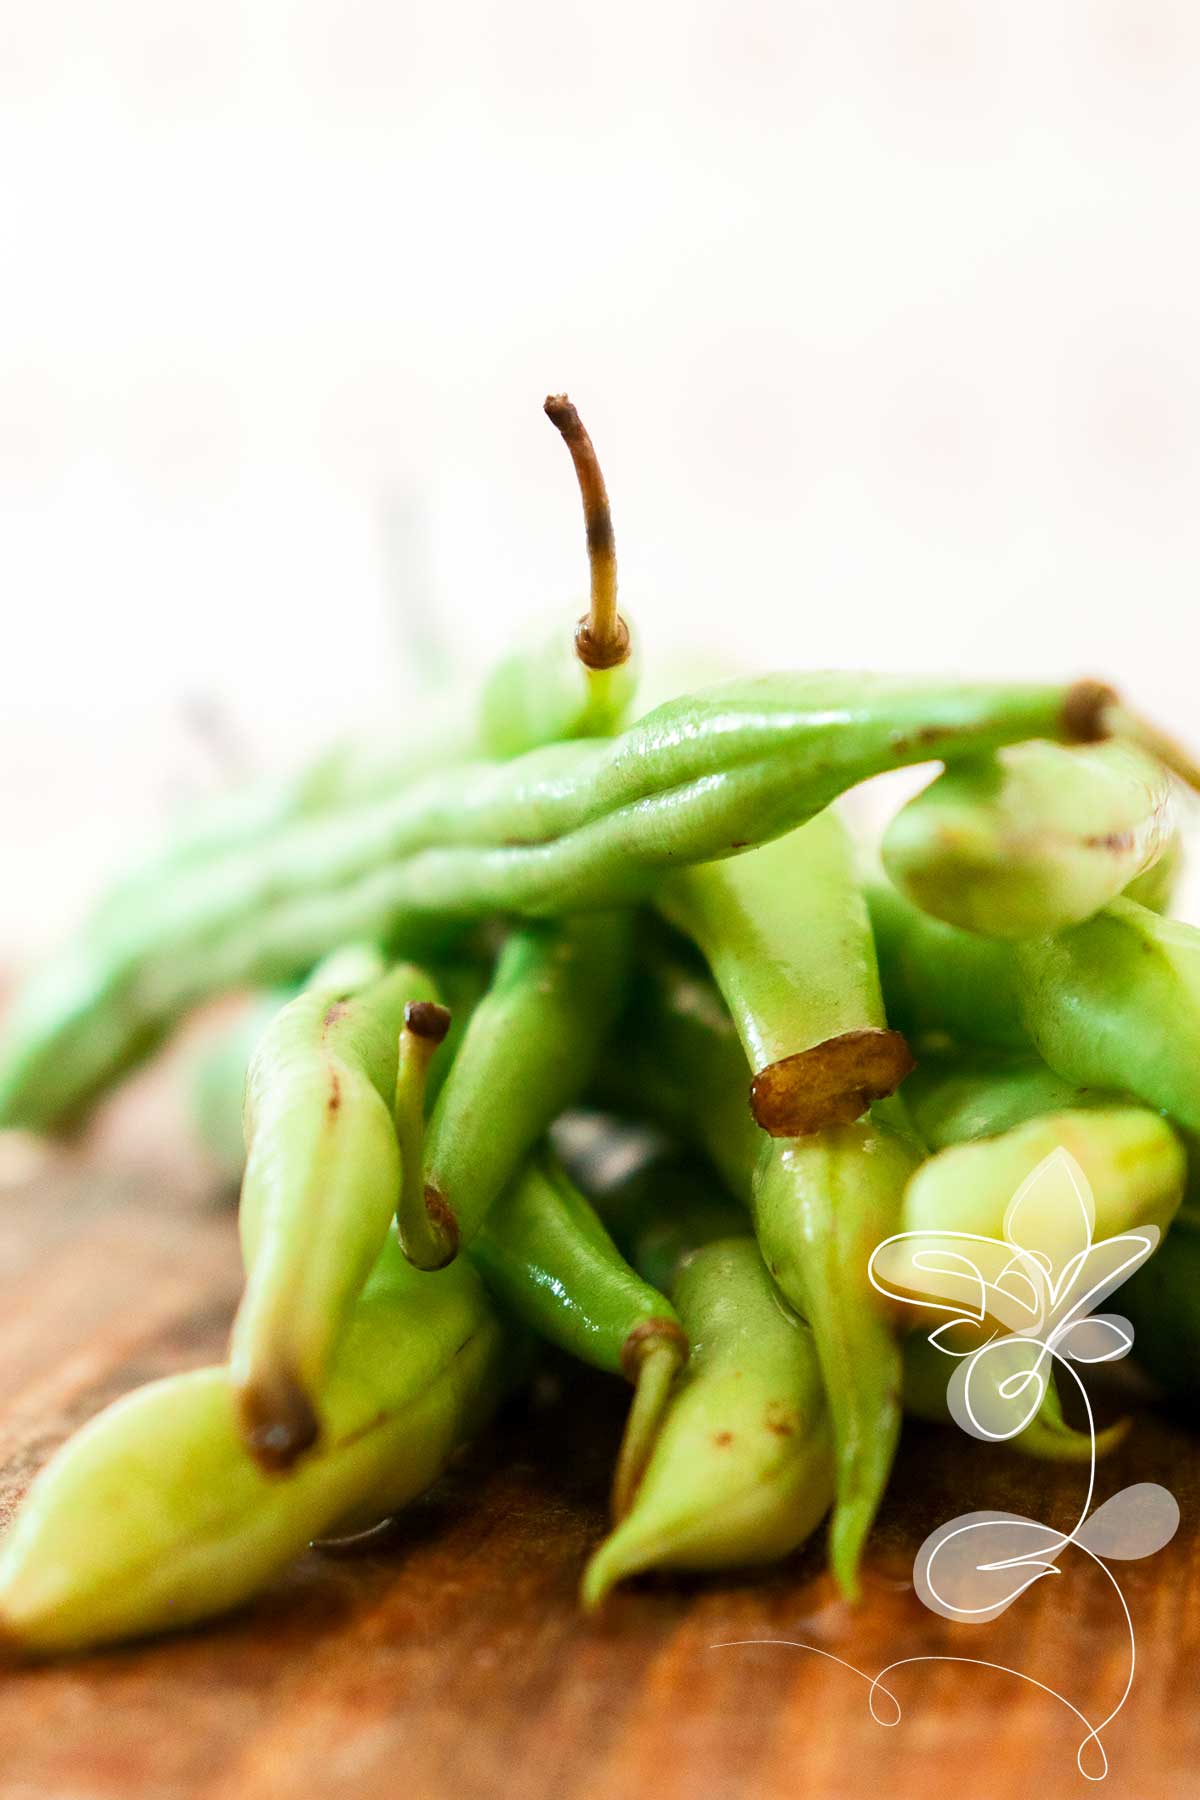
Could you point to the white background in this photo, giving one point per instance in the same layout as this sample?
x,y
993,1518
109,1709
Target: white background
x,y
883,317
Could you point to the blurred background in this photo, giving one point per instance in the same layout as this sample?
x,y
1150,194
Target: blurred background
x,y
882,316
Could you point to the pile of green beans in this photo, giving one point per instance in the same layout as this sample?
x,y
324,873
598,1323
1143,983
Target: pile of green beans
x,y
577,1032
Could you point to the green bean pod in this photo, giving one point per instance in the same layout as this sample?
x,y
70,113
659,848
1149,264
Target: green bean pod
x,y
1133,1161
1031,840
820,1205
576,827
1113,1003
742,1471
663,1206
322,1182
546,1255
217,1086
527,1053
676,1060
785,931
1047,1437
153,1516
971,1093
941,982
546,695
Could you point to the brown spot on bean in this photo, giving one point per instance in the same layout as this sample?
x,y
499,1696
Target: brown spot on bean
x,y
1116,841
335,1092
722,1439
780,1420
444,1221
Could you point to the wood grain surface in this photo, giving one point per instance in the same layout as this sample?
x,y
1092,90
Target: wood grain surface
x,y
452,1665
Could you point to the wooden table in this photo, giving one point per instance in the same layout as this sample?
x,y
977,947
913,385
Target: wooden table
x,y
455,1664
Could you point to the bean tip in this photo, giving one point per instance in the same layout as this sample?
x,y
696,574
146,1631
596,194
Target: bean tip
x,y
430,1240
278,1422
562,414
1086,711
427,1019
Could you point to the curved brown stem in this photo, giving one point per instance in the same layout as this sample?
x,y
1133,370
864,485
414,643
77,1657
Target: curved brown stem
x,y
602,636
428,1232
1122,722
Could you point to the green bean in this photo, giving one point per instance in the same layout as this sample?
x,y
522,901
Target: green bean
x,y
1115,1003
1162,1302
939,981
1030,840
218,1080
528,1051
742,1470
662,1209
1048,1437
785,932
1133,1161
154,1517
550,1261
676,1059
820,1205
1112,1003
541,693
576,827
660,1205
972,1093
322,1182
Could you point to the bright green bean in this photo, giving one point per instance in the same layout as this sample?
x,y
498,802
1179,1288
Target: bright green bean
x,y
548,1258
660,1206
1112,1003
970,1093
785,931
154,1517
1031,840
939,981
676,1060
820,1205
1115,1003
576,827
322,1183
527,1053
743,1468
